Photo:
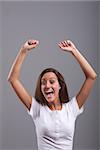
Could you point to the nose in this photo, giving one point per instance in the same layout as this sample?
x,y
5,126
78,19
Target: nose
x,y
48,84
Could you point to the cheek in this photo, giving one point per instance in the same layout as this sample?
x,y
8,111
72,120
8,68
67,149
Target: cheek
x,y
42,86
56,88
57,91
42,89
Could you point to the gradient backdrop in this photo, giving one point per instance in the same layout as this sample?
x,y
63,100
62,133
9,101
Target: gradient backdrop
x,y
48,22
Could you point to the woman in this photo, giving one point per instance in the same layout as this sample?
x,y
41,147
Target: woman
x,y
53,113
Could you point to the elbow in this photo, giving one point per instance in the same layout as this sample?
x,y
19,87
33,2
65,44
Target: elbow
x,y
10,79
94,76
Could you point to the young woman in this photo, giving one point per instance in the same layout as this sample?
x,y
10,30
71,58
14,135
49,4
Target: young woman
x,y
53,113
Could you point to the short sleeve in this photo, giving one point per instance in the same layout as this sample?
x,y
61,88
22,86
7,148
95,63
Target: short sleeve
x,y
74,108
35,109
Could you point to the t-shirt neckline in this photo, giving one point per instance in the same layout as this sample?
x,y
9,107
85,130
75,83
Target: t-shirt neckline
x,y
56,110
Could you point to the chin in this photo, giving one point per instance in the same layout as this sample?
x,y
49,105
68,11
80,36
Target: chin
x,y
50,100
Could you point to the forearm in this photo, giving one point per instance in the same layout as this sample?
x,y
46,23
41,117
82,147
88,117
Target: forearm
x,y
86,67
16,67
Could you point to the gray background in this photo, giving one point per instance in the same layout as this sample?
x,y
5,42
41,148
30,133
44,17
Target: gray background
x,y
48,22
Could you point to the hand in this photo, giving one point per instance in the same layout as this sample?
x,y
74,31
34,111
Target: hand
x,y
30,44
67,46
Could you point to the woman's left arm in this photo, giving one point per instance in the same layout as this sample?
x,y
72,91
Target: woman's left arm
x,y
89,72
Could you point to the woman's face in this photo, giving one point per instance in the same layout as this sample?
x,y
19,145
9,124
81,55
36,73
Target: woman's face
x,y
50,86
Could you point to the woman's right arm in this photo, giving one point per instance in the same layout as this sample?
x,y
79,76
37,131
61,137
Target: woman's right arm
x,y
14,73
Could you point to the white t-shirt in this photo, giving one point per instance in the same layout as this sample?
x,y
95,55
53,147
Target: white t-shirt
x,y
55,128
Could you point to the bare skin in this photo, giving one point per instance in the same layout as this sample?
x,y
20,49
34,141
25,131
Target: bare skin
x,y
90,74
50,88
67,46
14,73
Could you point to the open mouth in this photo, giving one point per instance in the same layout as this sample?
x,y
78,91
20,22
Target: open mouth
x,y
49,93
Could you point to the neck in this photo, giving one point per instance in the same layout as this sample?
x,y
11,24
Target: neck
x,y
56,105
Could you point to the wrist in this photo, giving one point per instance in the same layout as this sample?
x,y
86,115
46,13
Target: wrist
x,y
23,50
75,51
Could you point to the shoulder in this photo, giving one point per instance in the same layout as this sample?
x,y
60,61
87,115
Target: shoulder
x,y
72,107
35,108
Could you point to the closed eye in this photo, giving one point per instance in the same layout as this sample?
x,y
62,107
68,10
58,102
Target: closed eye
x,y
52,81
43,82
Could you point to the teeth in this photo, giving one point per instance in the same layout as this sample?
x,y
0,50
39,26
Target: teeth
x,y
49,93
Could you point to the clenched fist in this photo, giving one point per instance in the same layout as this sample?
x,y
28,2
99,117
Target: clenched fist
x,y
30,44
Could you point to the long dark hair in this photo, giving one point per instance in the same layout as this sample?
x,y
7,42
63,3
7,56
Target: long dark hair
x,y
63,93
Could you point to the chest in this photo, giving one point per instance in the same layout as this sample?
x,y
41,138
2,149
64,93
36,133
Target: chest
x,y
55,124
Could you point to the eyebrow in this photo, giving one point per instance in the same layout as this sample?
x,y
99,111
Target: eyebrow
x,y
49,79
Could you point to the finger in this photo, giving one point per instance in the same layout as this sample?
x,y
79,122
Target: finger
x,y
65,42
59,45
32,42
62,44
69,42
37,42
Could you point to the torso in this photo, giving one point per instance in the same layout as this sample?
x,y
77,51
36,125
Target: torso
x,y
55,127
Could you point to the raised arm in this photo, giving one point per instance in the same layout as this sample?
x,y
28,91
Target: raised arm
x,y
14,73
89,72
